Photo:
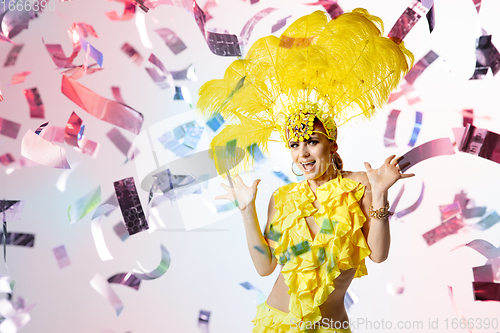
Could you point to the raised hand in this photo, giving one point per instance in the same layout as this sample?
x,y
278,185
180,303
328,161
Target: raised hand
x,y
383,178
240,194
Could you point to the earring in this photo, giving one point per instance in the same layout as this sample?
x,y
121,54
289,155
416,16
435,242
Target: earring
x,y
294,171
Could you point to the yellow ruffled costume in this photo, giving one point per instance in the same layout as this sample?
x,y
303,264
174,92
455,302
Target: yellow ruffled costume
x,y
311,266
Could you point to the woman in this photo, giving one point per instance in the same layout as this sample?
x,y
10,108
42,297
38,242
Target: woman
x,y
315,77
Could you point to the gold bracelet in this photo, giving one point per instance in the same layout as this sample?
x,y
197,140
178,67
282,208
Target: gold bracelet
x,y
380,213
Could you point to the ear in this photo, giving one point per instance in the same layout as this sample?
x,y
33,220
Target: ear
x,y
334,147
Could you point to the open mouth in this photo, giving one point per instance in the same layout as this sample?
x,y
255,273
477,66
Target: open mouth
x,y
309,165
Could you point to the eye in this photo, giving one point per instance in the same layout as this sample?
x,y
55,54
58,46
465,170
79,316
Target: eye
x,y
315,142
293,145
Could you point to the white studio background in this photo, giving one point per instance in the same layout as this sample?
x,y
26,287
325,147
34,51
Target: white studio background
x,y
209,263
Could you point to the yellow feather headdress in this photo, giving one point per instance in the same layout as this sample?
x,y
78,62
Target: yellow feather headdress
x,y
333,70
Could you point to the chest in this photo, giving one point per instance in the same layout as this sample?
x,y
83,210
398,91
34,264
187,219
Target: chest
x,y
312,225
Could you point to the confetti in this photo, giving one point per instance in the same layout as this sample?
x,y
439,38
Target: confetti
x,y
487,222
94,53
164,80
132,53
416,129
61,256
158,271
420,67
185,74
487,56
407,20
119,140
280,24
126,279
35,102
18,239
250,25
38,150
117,95
121,231
483,273
390,130
9,128
103,288
481,142
445,229
104,109
486,291
95,227
13,55
130,205
15,317
19,77
128,12
203,321
434,148
84,205
7,159
174,43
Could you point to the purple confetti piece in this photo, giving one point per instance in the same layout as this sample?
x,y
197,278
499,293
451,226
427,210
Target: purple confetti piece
x,y
130,205
223,44
250,25
484,247
434,148
119,140
117,95
121,231
18,239
396,200
487,56
61,256
173,41
132,53
483,273
9,128
187,73
390,130
203,321
413,207
126,279
280,24
94,53
450,211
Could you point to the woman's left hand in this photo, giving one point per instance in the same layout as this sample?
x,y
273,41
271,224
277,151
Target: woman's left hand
x,y
383,178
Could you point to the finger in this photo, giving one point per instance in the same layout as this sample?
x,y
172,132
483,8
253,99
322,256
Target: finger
x,y
407,175
368,167
226,187
389,159
397,160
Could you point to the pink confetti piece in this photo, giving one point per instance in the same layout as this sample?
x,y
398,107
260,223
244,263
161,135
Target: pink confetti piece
x,y
54,134
9,128
445,229
84,29
34,100
407,21
96,228
450,211
434,148
7,159
280,24
130,205
84,205
13,55
1,96
396,200
61,256
390,130
119,140
420,67
468,115
15,21
413,207
117,95
481,142
128,12
163,79
174,43
73,130
132,53
107,110
103,288
477,4
19,77
158,271
126,279
57,53
41,151
331,7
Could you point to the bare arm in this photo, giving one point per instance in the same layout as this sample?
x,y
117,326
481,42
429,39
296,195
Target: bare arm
x,y
260,248
376,231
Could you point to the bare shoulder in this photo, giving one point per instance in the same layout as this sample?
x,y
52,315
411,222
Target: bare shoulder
x,y
357,176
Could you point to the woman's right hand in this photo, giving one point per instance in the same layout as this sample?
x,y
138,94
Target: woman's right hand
x,y
241,194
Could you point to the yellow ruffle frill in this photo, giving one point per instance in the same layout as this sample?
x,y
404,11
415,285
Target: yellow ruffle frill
x,y
311,266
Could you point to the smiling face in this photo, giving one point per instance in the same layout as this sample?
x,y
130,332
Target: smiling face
x,y
318,149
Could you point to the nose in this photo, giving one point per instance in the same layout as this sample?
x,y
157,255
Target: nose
x,y
304,152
